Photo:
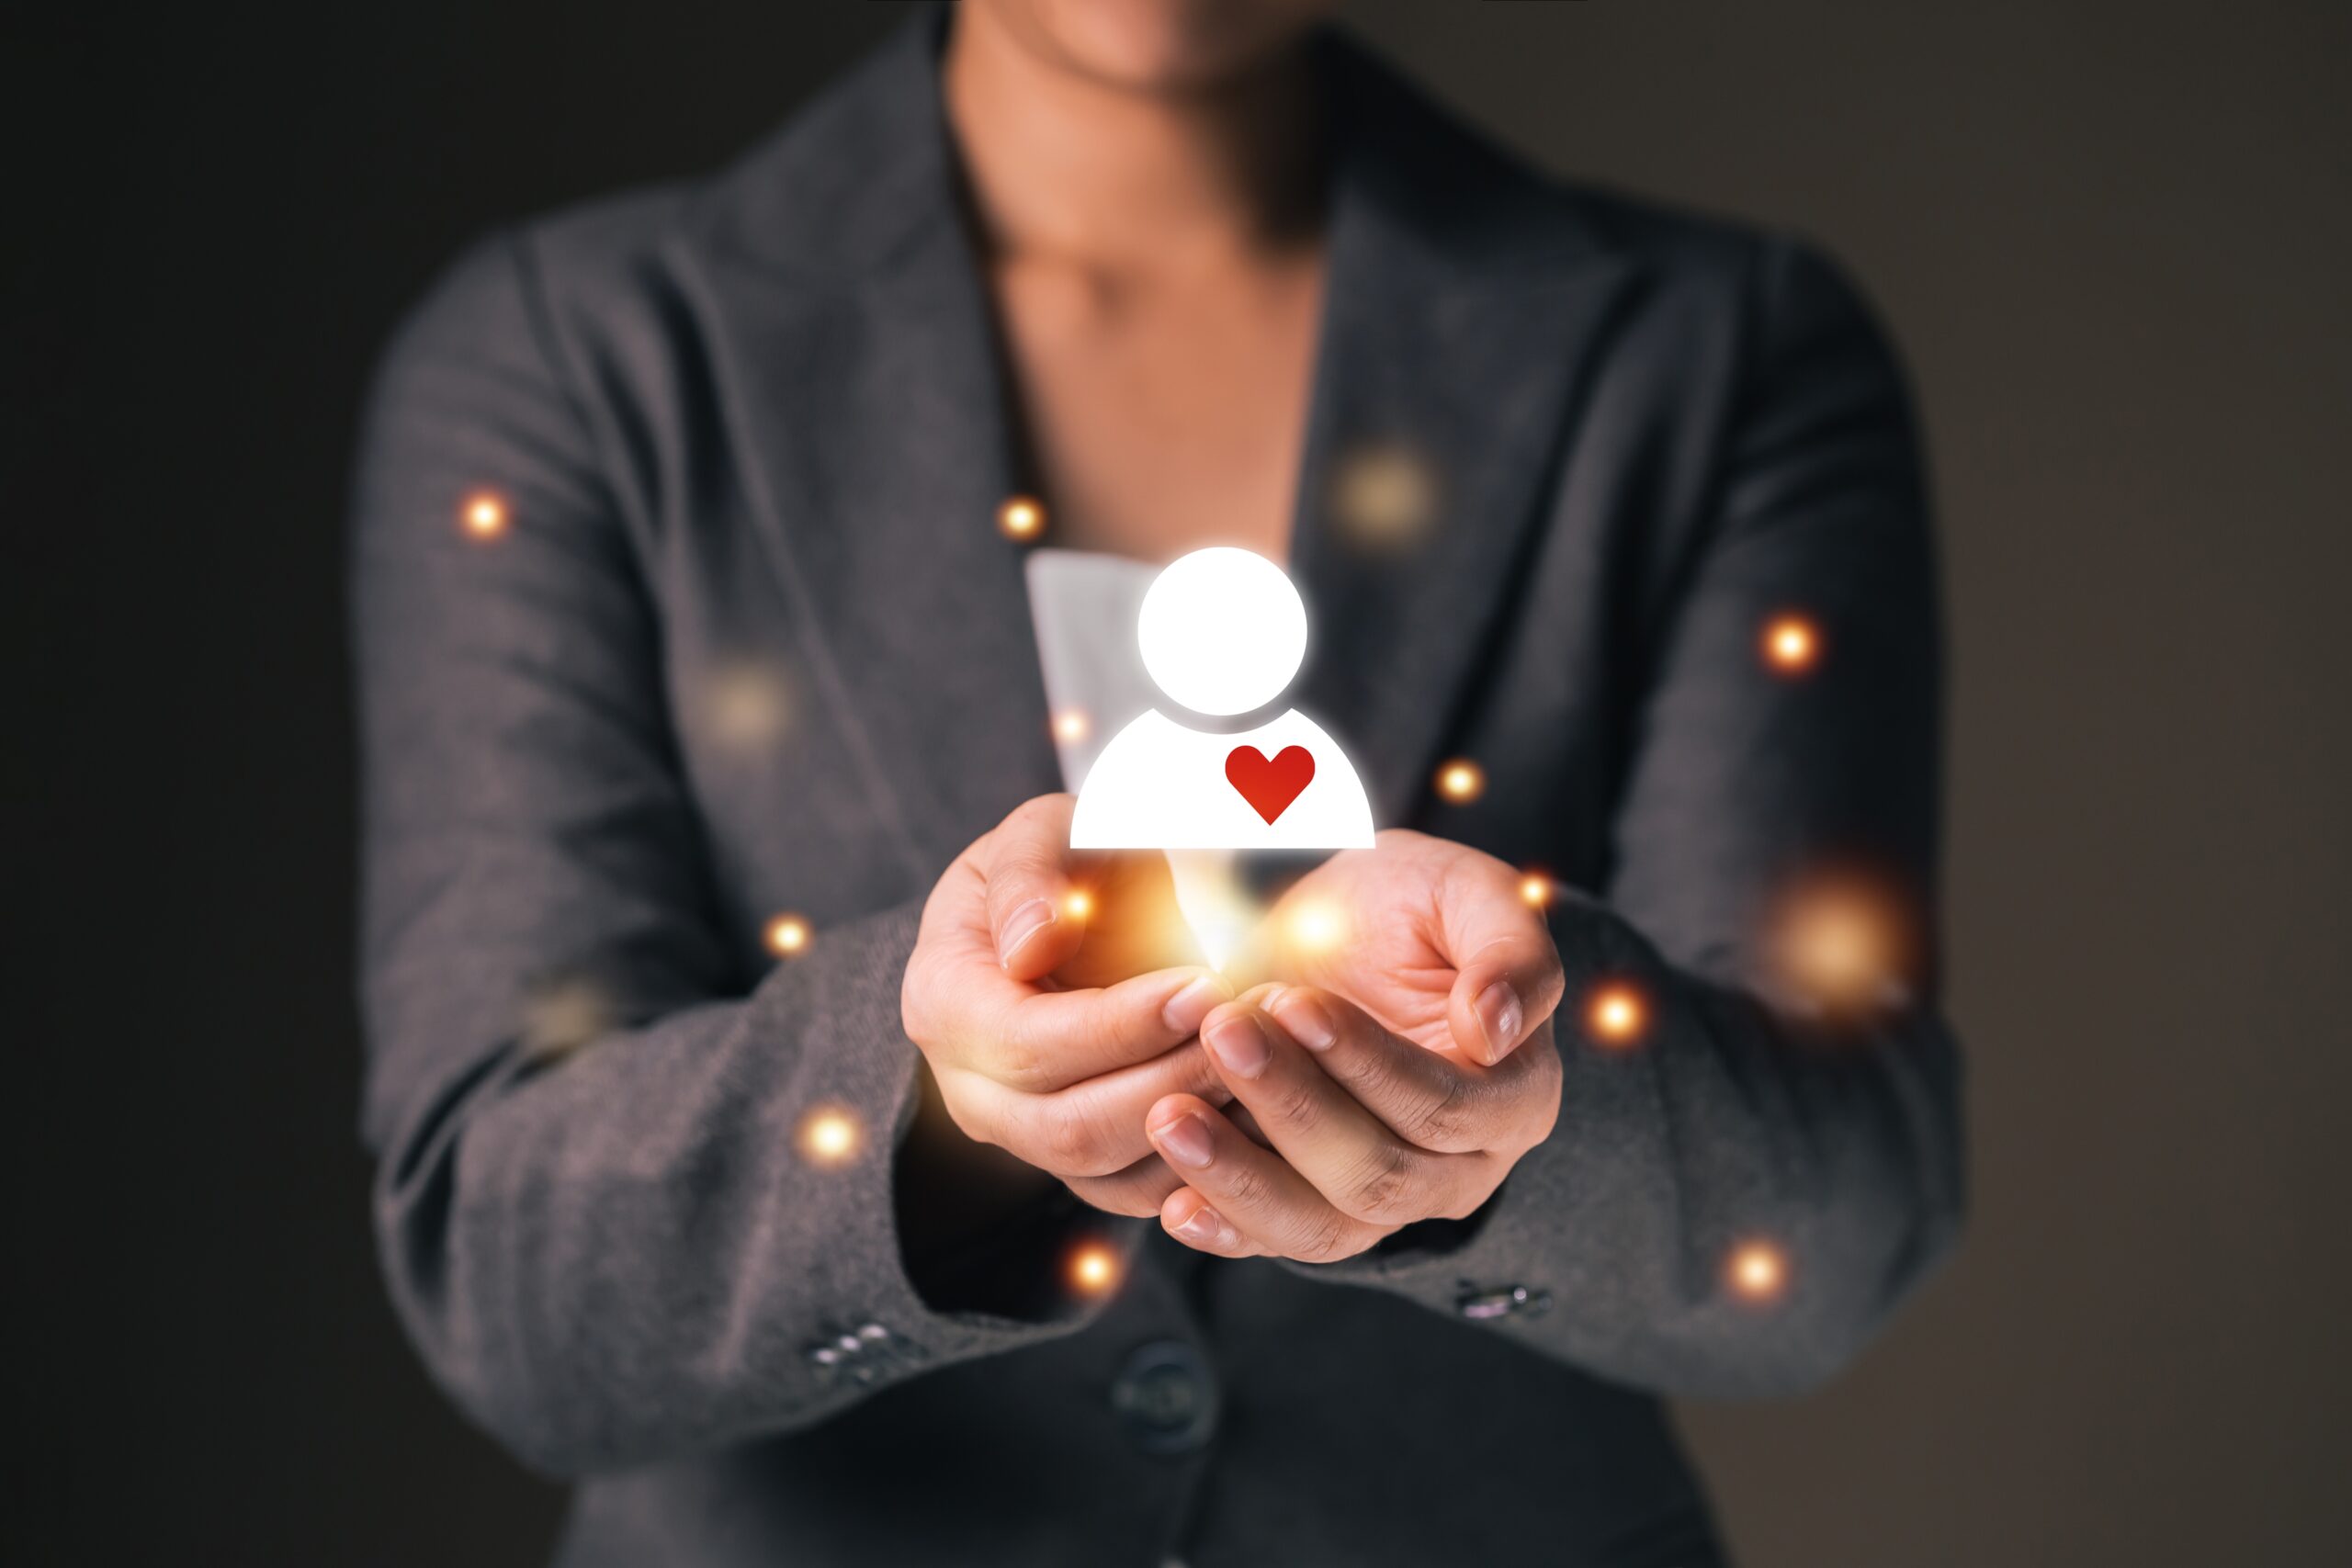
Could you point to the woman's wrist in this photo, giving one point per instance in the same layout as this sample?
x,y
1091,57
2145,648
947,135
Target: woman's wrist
x,y
978,1229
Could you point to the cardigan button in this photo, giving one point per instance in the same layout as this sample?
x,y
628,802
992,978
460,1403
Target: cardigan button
x,y
1509,1300
1166,1398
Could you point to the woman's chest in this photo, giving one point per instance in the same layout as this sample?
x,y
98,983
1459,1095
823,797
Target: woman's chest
x,y
1159,416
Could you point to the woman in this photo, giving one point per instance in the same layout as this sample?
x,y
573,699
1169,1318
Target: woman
x,y
684,605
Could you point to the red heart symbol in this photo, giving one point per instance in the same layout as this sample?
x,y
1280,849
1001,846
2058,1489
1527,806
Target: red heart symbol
x,y
1270,787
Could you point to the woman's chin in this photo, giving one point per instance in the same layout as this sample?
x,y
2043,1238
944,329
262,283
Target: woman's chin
x,y
1170,46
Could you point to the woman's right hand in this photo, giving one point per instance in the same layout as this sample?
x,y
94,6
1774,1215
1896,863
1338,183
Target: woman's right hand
x,y
1029,1052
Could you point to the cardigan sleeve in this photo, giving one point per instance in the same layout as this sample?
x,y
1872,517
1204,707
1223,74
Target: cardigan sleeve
x,y
594,1208
1734,1205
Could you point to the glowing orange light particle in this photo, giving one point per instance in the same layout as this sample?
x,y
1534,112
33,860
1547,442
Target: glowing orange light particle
x,y
1077,904
564,1014
787,936
485,515
1758,1271
1021,518
1843,943
1792,644
828,1137
745,704
1071,725
1535,890
1384,497
1461,780
1314,926
1094,1268
1616,1014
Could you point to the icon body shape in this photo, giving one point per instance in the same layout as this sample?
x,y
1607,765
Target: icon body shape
x,y
1223,633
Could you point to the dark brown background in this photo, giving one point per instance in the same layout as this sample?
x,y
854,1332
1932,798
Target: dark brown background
x,y
2115,240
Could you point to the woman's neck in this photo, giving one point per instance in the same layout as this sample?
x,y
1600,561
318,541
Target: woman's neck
x,y
1066,168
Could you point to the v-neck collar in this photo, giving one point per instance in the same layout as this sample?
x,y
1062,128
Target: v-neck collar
x,y
1466,302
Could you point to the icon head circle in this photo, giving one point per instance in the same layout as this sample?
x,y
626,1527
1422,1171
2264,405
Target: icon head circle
x,y
1223,631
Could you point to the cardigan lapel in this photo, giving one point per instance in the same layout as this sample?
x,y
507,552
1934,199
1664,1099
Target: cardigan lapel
x,y
1468,303
857,351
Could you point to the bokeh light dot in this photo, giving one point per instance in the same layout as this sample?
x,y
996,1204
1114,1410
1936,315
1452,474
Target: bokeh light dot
x,y
1094,1268
828,1137
1383,497
787,936
1758,1271
1792,644
1022,518
1842,943
1616,1014
564,1014
485,514
744,705
1461,780
1314,925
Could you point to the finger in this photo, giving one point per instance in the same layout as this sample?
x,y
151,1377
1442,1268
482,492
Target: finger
x,y
1351,1157
1194,1220
1266,1203
1032,919
1436,1102
1137,1191
1042,1041
1093,1128
1509,977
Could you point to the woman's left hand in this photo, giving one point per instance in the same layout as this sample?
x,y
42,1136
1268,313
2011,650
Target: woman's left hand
x,y
1372,1129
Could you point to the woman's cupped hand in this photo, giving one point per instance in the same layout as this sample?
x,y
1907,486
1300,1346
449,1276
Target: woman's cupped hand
x,y
1392,1069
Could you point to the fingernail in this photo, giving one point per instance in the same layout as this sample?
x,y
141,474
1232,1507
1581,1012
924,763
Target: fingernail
x,y
1241,1045
1306,1019
1195,1002
1499,1018
1020,926
1186,1140
1207,1227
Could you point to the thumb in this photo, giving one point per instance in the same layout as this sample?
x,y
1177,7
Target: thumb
x,y
1034,919
1508,979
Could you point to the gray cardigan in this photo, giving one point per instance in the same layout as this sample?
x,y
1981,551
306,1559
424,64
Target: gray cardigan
x,y
750,642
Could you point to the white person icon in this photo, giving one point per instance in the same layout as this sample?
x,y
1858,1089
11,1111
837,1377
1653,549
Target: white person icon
x,y
1223,633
